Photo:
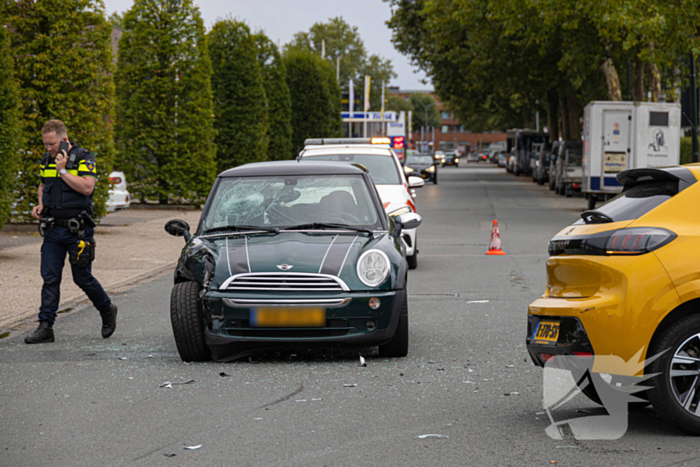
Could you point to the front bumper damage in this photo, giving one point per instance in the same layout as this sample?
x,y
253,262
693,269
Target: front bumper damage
x,y
350,322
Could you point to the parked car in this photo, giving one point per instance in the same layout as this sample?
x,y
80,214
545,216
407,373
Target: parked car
x,y
502,159
421,165
386,172
622,283
291,254
541,172
119,197
523,141
450,158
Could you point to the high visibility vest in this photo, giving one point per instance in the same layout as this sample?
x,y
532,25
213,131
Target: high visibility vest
x,y
57,193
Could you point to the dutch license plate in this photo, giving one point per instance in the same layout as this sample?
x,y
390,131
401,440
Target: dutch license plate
x,y
547,332
280,317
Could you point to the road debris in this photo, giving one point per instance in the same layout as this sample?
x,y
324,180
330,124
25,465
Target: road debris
x,y
432,436
170,455
223,375
169,384
122,358
350,385
477,301
362,361
187,363
193,448
512,394
510,366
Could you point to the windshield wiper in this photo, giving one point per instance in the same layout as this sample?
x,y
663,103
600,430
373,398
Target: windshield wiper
x,y
242,228
595,217
328,225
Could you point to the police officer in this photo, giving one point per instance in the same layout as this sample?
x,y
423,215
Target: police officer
x,y
65,204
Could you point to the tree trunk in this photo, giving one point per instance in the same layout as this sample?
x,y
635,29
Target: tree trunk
x,y
612,80
654,81
552,115
563,114
573,107
638,80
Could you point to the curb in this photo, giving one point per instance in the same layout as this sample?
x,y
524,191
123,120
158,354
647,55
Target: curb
x,y
24,321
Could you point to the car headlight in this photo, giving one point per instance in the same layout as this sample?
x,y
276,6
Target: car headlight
x,y
430,169
373,268
456,160
401,210
408,170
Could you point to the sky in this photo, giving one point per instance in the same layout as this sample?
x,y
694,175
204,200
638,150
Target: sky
x,y
281,19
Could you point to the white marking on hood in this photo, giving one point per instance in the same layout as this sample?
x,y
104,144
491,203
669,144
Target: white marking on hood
x,y
346,255
247,256
228,259
327,250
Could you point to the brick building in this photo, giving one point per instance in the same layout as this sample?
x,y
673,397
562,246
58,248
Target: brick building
x,y
451,134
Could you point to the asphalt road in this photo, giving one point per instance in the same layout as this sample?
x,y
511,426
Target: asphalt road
x,y
86,401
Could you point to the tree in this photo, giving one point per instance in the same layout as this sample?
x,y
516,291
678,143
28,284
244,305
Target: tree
x,y
240,103
279,104
496,62
343,42
423,104
164,126
117,20
315,103
9,128
63,64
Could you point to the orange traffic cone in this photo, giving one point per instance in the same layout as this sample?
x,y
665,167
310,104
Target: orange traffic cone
x,y
495,243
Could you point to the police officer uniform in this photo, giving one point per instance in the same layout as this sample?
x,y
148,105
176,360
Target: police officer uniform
x,y
71,231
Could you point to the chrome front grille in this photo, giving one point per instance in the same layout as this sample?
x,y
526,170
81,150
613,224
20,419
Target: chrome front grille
x,y
284,282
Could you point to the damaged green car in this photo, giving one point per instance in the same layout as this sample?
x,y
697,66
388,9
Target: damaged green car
x,y
291,254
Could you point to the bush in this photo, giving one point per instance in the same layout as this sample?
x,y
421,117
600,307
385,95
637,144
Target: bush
x,y
240,104
279,107
164,128
315,101
63,65
9,130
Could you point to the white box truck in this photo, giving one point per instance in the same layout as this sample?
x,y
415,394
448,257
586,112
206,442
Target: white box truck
x,y
626,135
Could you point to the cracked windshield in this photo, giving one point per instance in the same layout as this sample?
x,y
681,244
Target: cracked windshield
x,y
287,201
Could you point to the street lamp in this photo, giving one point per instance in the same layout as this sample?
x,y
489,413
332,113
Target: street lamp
x,y
425,108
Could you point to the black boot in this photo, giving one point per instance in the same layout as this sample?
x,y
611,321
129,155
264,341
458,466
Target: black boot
x,y
44,333
109,320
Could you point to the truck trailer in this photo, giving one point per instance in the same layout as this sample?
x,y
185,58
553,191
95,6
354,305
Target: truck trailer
x,y
626,135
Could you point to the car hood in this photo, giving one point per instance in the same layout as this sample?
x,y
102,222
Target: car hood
x,y
287,252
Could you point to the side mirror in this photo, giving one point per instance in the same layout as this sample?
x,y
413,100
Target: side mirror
x,y
415,182
409,220
178,228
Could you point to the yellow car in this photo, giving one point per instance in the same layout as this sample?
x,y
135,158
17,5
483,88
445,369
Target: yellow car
x,y
624,281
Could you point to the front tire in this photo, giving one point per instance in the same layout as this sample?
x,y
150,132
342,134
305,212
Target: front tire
x,y
675,392
398,345
187,322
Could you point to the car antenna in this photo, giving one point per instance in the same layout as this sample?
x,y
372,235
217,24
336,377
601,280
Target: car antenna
x,y
298,154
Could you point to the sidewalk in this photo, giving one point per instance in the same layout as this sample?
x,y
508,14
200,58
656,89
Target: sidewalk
x,y
132,248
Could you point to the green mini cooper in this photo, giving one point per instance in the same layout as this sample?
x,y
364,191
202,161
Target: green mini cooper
x,y
289,254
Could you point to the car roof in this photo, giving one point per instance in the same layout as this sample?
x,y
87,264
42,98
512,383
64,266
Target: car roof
x,y
294,168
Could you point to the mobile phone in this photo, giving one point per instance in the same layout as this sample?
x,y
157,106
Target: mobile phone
x,y
63,147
